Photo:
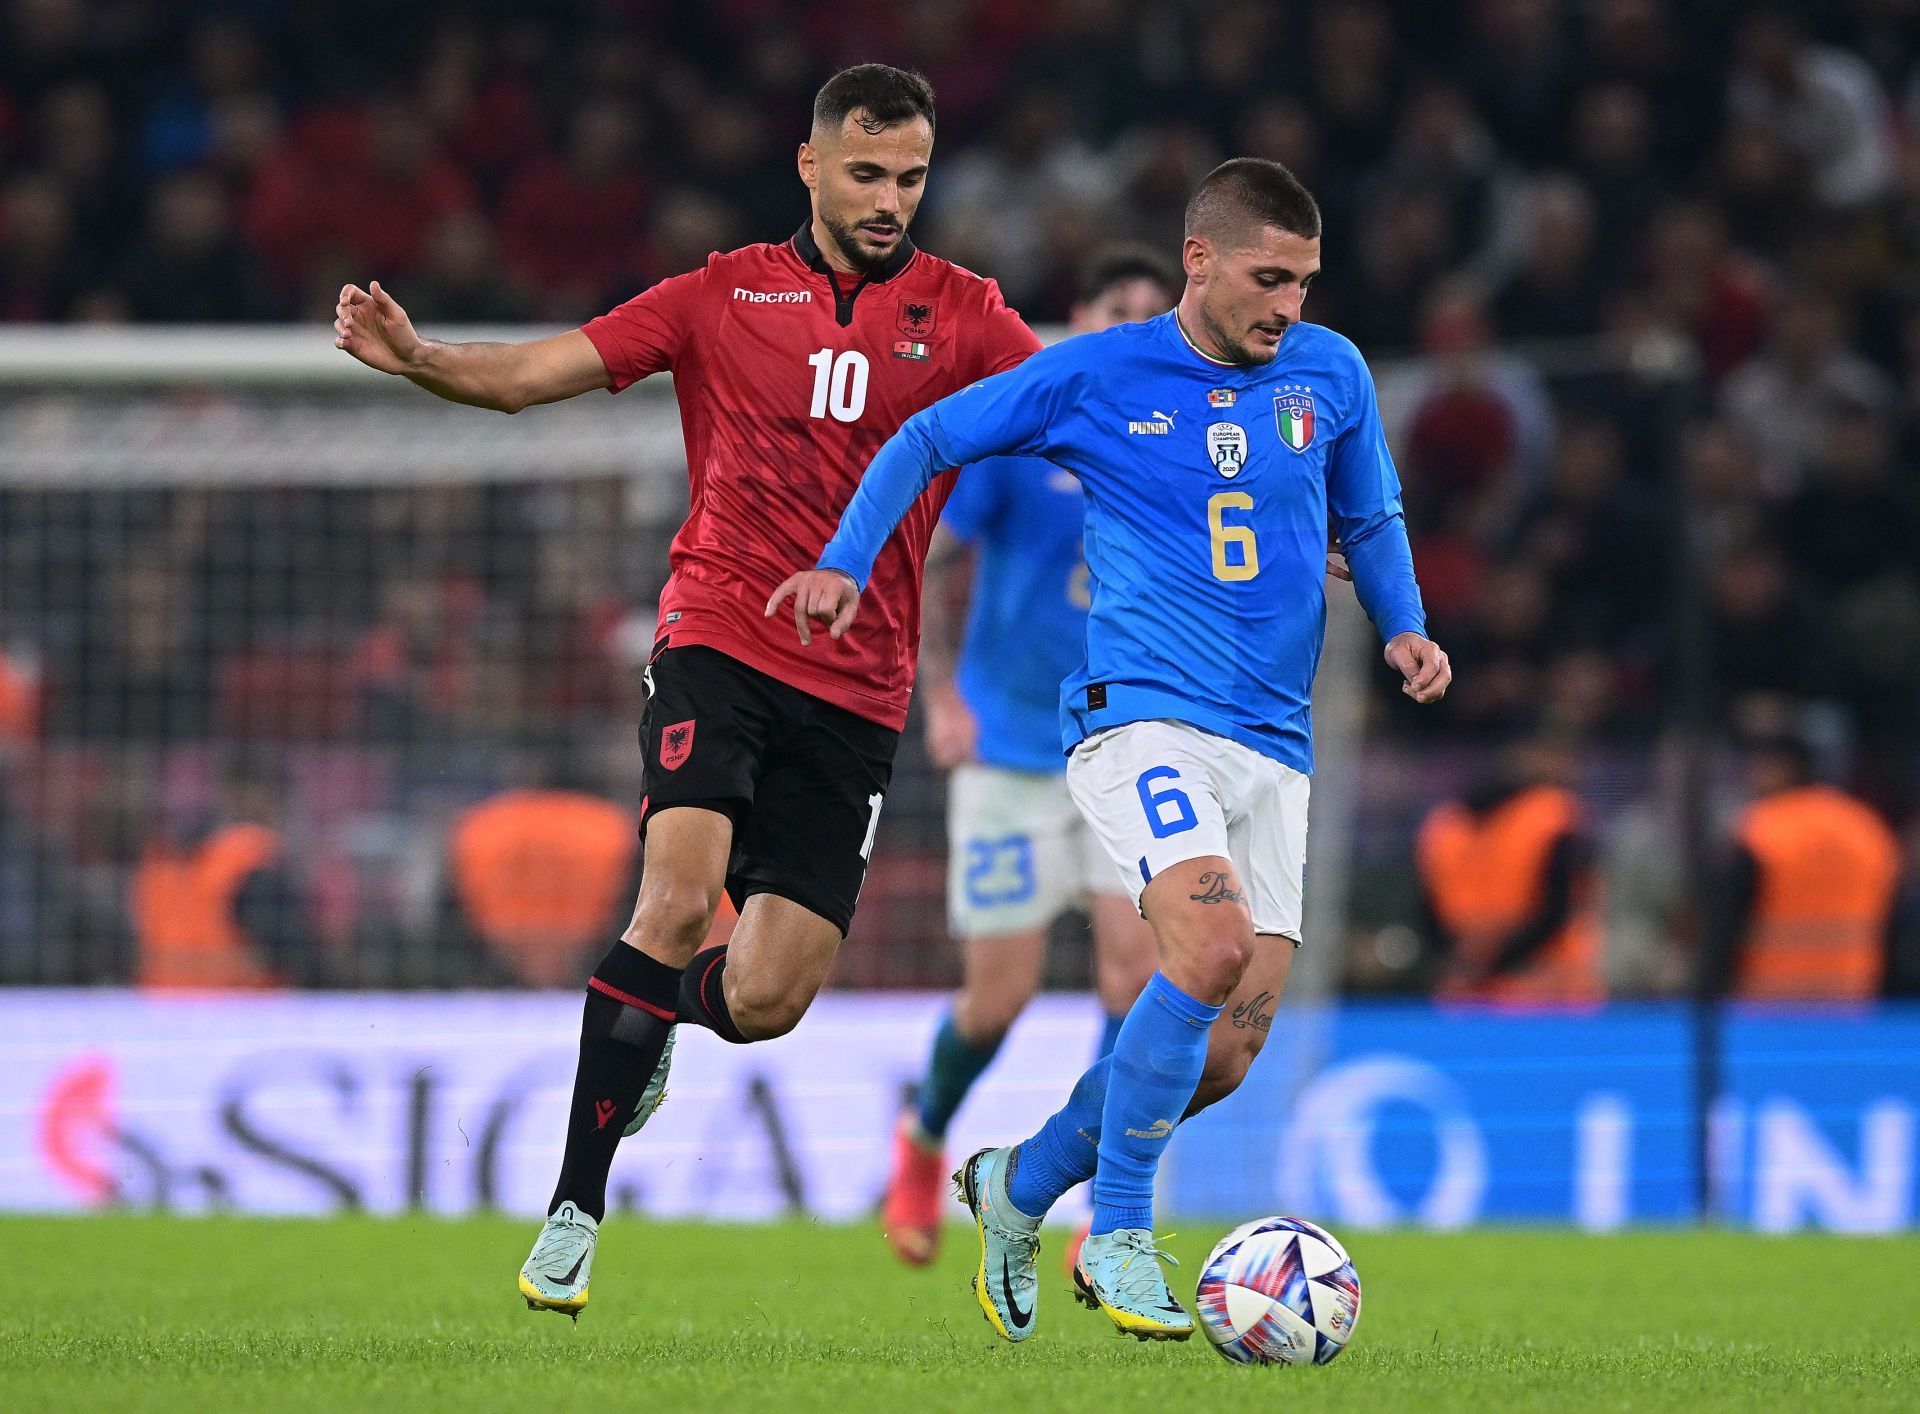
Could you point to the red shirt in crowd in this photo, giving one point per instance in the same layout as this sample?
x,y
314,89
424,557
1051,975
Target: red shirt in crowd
x,y
326,189
789,378
559,232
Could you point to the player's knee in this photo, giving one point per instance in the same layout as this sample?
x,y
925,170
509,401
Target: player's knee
x,y
764,1007
985,1014
673,916
986,1025
1217,959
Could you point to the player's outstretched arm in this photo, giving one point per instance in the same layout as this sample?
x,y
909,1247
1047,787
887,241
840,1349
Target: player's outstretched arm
x,y
371,325
828,595
998,415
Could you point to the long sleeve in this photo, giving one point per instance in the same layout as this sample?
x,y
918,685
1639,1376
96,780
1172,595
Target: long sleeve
x,y
1363,494
1008,414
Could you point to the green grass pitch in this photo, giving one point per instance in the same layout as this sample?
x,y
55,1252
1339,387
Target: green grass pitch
x,y
137,1313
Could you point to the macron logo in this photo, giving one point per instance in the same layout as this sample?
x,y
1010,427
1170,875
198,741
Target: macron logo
x,y
773,296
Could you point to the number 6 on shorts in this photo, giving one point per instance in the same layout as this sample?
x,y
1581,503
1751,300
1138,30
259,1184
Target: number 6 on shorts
x,y
1155,802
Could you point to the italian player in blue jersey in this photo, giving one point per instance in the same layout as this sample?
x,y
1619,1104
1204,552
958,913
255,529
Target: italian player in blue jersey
x,y
1019,852
1217,446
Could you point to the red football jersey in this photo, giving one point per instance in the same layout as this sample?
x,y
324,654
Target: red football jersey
x,y
789,378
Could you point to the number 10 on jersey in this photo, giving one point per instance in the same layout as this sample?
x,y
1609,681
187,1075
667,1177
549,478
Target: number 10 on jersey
x,y
839,385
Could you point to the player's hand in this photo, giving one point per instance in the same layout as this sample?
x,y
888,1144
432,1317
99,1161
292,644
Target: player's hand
x,y
1423,664
828,595
371,325
953,732
1337,566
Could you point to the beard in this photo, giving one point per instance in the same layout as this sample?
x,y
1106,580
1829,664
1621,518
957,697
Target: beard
x,y
1253,355
846,236
1242,351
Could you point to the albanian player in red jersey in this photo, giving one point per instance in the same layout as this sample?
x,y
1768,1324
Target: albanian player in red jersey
x,y
767,761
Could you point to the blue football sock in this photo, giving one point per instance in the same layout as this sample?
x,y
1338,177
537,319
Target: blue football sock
x,y
1109,1033
951,1070
1156,1068
1066,1148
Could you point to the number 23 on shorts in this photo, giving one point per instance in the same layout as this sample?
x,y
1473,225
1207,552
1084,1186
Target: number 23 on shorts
x,y
1158,802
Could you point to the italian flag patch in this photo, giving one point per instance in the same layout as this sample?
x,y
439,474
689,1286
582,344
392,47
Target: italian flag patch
x,y
1293,416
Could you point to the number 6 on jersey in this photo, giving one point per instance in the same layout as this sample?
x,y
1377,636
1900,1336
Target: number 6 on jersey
x,y
1236,537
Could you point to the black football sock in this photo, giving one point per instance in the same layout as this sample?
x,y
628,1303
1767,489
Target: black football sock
x,y
631,1007
703,995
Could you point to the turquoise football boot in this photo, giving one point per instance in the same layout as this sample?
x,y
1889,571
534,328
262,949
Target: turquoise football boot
x,y
1119,1273
655,1095
556,1273
1007,1281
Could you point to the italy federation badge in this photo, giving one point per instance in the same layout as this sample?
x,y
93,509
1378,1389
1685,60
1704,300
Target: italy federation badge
x,y
1293,412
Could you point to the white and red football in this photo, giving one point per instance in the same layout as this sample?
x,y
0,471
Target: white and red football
x,y
1279,1291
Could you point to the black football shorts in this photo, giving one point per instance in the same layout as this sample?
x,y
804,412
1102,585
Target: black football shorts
x,y
801,779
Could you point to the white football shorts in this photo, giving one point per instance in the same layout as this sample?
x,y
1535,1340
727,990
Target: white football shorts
x,y
1019,853
1158,793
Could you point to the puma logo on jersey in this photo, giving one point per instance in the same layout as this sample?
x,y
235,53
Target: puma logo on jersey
x,y
773,296
1161,425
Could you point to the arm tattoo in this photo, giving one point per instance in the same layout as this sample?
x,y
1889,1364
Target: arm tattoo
x,y
1217,887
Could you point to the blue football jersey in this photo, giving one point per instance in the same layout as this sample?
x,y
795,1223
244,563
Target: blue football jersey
x,y
1027,624
1209,492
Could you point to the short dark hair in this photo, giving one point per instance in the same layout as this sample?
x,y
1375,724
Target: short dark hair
x,y
1115,264
886,94
1250,192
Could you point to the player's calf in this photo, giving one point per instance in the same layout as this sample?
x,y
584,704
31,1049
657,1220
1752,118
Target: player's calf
x,y
764,1006
1227,1065
761,983
1245,1022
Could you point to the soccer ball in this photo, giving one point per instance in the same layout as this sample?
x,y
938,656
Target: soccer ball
x,y
1279,1291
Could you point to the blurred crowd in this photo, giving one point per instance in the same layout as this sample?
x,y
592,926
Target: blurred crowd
x,y
1641,278
351,669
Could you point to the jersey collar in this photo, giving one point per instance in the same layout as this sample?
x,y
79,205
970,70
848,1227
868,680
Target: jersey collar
x,y
1180,332
808,249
